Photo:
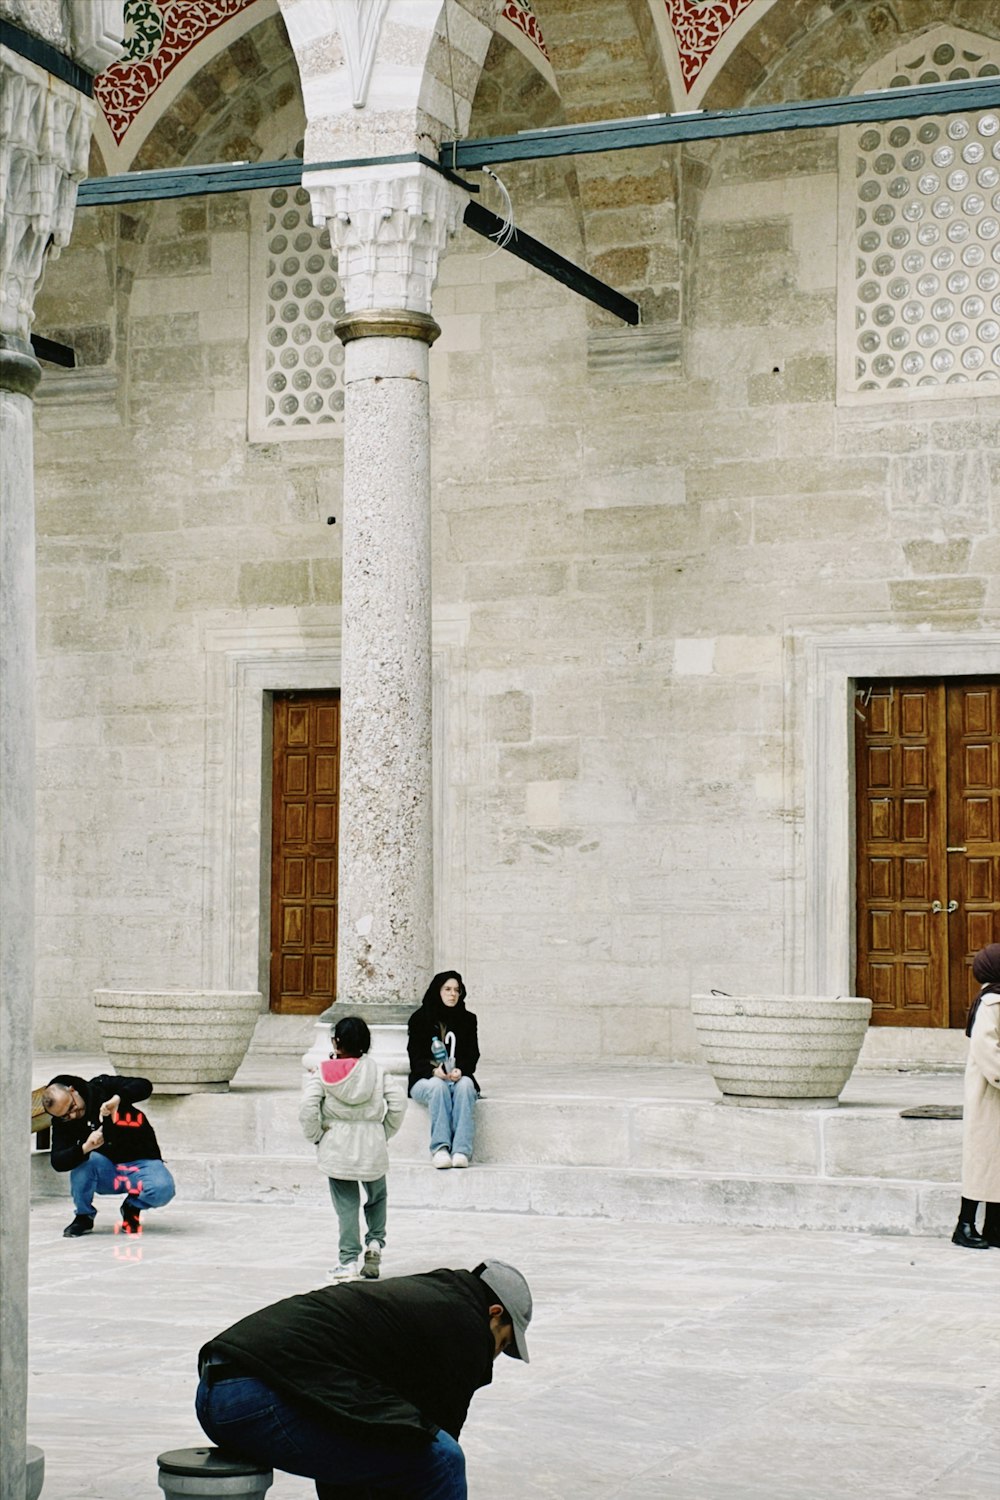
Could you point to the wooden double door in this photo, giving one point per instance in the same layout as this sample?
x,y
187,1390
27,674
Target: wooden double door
x,y
927,762
927,765
305,792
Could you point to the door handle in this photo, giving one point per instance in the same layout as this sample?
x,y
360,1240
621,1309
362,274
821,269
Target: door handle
x,y
952,906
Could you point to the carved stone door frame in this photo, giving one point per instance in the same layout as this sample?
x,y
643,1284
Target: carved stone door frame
x,y
832,665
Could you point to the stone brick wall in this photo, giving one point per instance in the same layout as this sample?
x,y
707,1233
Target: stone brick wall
x,y
637,553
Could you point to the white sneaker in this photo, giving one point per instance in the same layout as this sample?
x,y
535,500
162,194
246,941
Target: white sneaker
x,y
459,1159
346,1271
373,1261
441,1159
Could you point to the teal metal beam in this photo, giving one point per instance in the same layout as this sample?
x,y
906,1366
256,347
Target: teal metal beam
x,y
707,125
222,177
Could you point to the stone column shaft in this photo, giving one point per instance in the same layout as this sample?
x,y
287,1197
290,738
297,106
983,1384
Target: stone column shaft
x,y
17,898
390,231
45,128
386,889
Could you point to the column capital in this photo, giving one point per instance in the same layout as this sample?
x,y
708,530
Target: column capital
x,y
43,155
390,226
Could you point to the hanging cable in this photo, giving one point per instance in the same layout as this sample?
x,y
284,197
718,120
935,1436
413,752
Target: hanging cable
x,y
506,232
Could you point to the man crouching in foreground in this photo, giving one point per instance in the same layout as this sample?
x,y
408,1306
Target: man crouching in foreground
x,y
364,1386
107,1146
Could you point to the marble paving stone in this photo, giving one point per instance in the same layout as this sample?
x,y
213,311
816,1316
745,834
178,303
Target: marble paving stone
x,y
669,1362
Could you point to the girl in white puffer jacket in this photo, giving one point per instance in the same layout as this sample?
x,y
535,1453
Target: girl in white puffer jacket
x,y
349,1111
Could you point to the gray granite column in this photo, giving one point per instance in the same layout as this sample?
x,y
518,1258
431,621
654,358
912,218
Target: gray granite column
x,y
390,231
18,376
44,141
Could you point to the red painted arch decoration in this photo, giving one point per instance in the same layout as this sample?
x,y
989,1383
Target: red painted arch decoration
x,y
158,35
698,27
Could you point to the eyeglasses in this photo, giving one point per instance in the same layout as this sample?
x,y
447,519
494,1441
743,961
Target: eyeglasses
x,y
76,1110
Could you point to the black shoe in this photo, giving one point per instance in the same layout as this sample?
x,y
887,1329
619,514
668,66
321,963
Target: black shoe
x,y
82,1224
969,1236
130,1218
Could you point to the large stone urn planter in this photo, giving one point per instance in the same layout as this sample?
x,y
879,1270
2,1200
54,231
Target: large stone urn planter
x,y
183,1041
781,1051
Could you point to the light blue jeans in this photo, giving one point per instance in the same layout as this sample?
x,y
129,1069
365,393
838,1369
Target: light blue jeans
x,y
452,1108
147,1183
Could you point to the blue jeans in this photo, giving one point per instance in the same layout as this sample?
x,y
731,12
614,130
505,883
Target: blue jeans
x,y
245,1417
452,1107
147,1183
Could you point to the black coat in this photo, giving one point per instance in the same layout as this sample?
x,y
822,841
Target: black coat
x,y
434,1018
129,1137
390,1361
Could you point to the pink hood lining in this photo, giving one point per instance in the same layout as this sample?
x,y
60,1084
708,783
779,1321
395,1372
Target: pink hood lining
x,y
336,1069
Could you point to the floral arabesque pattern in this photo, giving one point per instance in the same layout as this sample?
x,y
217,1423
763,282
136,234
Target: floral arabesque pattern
x,y
519,14
698,27
158,36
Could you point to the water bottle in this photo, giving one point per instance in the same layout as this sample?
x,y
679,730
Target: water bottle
x,y
439,1053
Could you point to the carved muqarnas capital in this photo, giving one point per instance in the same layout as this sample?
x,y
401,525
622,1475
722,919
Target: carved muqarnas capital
x,y
45,129
389,231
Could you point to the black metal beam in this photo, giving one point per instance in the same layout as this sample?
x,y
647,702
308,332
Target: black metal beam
x,y
704,125
231,177
52,352
481,221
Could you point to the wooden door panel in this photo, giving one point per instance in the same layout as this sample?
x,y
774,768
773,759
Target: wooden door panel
x,y
902,941
305,791
973,831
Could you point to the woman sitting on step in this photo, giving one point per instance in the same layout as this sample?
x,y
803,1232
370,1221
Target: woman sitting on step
x,y
443,1043
981,1115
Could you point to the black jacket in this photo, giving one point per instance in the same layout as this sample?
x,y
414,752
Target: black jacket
x,y
129,1137
434,1018
391,1360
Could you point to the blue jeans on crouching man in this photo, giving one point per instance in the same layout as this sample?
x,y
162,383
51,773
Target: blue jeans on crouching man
x,y
148,1184
452,1109
248,1418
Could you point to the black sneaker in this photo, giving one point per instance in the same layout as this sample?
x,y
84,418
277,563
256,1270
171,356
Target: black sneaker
x,y
82,1224
969,1236
130,1218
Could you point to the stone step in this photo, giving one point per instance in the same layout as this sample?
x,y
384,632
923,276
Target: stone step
x,y
646,1145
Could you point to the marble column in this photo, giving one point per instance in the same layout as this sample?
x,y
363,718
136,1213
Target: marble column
x,y
390,227
45,128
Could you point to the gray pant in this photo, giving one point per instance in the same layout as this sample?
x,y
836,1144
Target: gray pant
x,y
346,1199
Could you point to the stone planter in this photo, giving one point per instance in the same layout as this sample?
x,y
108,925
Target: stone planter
x,y
781,1051
183,1041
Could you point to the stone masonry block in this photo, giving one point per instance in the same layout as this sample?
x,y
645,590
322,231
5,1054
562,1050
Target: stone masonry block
x,y
139,588
938,596
928,556
179,257
508,716
543,760
806,378
508,580
273,583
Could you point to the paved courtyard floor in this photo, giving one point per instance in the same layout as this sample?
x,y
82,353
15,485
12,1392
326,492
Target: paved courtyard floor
x,y
667,1363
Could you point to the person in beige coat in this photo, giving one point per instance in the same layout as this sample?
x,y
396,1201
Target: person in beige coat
x,y
349,1110
981,1114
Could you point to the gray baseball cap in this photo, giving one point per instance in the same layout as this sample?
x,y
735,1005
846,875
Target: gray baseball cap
x,y
513,1292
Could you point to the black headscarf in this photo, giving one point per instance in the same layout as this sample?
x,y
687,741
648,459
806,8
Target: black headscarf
x,y
986,968
432,999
